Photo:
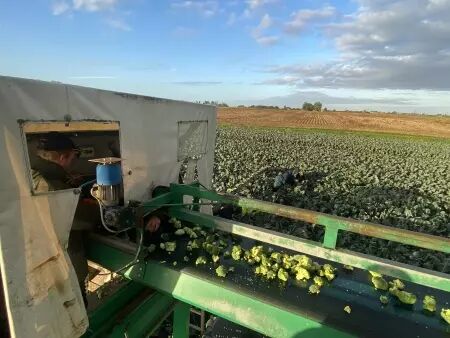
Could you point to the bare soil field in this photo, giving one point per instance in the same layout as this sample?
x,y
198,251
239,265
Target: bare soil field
x,y
410,124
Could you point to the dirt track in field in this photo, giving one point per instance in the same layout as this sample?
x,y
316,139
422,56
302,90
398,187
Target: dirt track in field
x,y
409,124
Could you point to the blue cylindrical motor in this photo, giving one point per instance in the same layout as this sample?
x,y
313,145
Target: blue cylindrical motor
x,y
109,180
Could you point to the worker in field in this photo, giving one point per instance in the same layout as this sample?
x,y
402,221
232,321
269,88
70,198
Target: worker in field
x,y
286,177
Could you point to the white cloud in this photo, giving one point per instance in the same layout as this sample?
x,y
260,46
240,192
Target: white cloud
x,y
63,6
266,22
267,40
93,5
231,19
383,45
305,16
253,4
60,7
118,24
207,8
184,32
91,77
258,32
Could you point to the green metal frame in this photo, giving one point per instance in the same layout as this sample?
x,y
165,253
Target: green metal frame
x,y
212,297
241,308
115,317
326,249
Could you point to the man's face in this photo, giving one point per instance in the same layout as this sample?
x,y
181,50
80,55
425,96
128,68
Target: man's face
x,y
66,159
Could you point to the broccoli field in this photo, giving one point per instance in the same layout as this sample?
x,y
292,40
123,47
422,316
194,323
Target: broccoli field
x,y
395,181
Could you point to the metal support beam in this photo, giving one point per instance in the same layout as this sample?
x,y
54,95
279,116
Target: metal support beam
x,y
103,317
181,318
146,317
230,304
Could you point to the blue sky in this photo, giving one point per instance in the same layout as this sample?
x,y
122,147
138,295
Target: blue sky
x,y
352,54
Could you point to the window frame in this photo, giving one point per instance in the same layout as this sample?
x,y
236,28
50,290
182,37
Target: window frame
x,y
28,127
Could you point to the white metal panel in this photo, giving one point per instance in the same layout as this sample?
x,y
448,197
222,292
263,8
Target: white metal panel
x,y
43,297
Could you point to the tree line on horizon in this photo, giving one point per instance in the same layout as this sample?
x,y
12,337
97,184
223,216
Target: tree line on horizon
x,y
316,106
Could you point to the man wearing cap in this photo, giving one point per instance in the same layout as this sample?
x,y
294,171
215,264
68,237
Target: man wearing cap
x,y
55,155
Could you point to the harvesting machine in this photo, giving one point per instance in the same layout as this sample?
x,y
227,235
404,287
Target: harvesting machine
x,y
142,142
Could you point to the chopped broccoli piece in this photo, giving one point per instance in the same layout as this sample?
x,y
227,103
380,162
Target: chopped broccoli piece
x,y
190,232
196,244
304,261
151,248
302,273
221,271
348,309
186,258
319,280
264,260
397,284
176,223
276,256
162,246
261,270
180,232
226,254
314,289
282,274
201,260
211,248
288,262
445,314
384,299
256,251
275,267
270,274
170,246
379,283
406,297
328,272
174,263
429,303
215,258
375,274
231,269
236,252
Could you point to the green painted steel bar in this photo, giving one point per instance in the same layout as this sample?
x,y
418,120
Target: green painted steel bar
x,y
406,272
330,237
329,221
102,318
233,305
145,318
155,203
181,319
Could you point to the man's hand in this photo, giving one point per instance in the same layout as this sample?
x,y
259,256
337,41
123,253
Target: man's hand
x,y
153,224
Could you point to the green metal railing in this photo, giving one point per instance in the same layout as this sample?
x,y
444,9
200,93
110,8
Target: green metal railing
x,y
326,249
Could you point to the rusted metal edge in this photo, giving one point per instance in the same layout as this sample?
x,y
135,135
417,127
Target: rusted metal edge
x,y
408,237
405,272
